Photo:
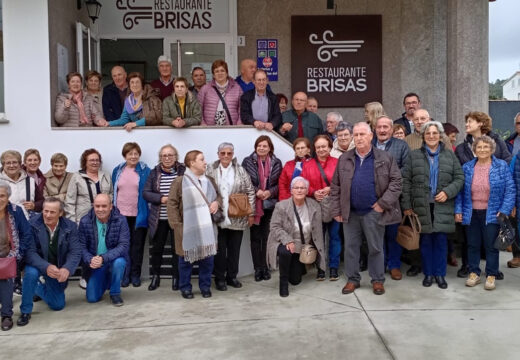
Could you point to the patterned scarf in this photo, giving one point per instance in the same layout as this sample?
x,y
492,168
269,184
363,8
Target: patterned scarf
x,y
433,158
298,167
263,176
78,100
12,234
133,105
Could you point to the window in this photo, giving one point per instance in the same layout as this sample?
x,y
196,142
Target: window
x,y
2,104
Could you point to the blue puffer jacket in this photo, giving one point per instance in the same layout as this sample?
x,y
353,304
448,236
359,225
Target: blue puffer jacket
x,y
142,206
22,235
117,237
502,192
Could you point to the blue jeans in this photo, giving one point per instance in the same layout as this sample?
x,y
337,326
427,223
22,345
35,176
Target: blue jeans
x,y
52,291
478,233
106,277
434,253
392,249
334,242
205,271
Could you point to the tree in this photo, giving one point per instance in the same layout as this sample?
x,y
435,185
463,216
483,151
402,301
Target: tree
x,y
495,90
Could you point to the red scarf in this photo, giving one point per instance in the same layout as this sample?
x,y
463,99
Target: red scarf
x,y
78,100
263,176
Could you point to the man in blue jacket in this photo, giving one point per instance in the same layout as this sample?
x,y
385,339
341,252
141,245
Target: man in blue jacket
x,y
105,239
54,252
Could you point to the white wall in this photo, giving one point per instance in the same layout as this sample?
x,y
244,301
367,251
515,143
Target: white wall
x,y
511,90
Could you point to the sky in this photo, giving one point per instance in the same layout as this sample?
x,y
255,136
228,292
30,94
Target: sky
x,y
504,39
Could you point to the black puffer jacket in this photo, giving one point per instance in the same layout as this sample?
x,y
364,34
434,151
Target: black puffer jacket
x,y
250,164
465,154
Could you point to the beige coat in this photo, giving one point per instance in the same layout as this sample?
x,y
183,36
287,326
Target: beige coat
x,y
70,116
56,187
336,151
77,201
282,227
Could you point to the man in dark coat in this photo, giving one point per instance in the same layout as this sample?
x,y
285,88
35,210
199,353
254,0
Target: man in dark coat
x,y
114,94
411,103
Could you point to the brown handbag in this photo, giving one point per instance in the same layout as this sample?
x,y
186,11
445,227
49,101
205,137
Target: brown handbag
x,y
8,264
239,206
408,235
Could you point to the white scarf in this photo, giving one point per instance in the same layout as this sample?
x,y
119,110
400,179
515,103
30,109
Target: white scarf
x,y
226,179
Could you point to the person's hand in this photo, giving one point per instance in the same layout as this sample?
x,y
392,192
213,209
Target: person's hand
x,y
63,275
102,123
513,212
266,195
326,191
285,128
178,123
164,199
250,220
377,208
260,125
96,262
338,218
129,126
408,212
28,205
213,207
290,247
68,103
53,272
319,195
441,197
268,126
259,194
458,218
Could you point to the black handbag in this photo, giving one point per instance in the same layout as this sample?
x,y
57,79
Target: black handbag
x,y
506,235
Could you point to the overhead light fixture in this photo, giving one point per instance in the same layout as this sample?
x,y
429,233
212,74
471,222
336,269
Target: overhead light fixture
x,y
93,8
189,53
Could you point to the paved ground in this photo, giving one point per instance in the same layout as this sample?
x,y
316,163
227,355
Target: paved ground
x,y
315,321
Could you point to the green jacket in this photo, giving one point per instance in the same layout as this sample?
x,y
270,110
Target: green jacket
x,y
312,125
171,110
416,189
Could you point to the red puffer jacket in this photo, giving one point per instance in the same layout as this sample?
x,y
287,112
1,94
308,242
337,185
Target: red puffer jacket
x,y
313,174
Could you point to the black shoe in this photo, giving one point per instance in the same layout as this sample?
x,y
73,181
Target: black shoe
x,y
428,281
155,283
441,282
125,283
36,298
363,265
259,275
17,290
175,284
463,271
23,319
206,293
333,274
413,271
116,300
284,289
500,275
220,285
7,323
136,282
266,275
187,294
320,276
234,283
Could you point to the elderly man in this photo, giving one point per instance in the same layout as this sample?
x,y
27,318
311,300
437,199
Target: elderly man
x,y
247,72
365,193
411,103
333,119
298,122
114,94
165,82
105,239
259,107
198,76
399,151
54,253
415,140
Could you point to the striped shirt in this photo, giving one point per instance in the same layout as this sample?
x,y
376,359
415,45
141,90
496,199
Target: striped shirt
x,y
164,188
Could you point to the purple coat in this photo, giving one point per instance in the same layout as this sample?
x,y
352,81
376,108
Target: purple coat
x,y
209,99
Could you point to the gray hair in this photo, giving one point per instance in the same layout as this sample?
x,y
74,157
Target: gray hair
x,y
437,124
344,125
363,124
300,179
5,185
385,117
52,199
487,140
516,116
336,115
168,146
226,145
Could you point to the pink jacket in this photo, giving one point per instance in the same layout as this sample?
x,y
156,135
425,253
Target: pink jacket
x,y
209,99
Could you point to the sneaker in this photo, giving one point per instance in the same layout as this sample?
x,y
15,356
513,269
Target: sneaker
x,y
17,291
472,280
83,284
116,300
490,283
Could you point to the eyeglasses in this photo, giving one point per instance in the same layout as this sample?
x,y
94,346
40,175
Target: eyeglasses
x,y
11,163
343,135
299,188
517,123
166,156
411,103
93,161
226,153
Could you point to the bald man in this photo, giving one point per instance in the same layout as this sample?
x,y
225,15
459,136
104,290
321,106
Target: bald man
x,y
415,140
105,238
247,73
114,94
298,122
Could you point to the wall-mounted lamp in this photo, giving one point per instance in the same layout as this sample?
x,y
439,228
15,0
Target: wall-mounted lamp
x,y
93,8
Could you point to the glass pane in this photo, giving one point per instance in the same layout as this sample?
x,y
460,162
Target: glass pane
x,y
93,53
198,54
85,53
2,109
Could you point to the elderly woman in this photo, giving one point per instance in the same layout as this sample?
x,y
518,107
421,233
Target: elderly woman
x,y
15,235
319,172
343,140
156,192
182,108
264,168
220,99
57,178
399,131
282,102
432,177
489,191
31,165
373,110
312,104
94,89
231,178
478,124
128,179
77,107
293,168
285,238
142,107
195,231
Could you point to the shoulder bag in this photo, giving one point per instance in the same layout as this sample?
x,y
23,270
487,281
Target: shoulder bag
x,y
506,235
308,253
408,235
224,105
325,203
239,206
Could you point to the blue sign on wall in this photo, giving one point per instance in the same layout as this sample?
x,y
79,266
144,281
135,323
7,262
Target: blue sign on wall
x,y
267,57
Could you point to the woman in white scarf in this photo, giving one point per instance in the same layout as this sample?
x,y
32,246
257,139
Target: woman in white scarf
x,y
231,178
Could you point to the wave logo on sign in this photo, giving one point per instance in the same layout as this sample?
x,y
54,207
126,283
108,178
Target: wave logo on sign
x,y
330,48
